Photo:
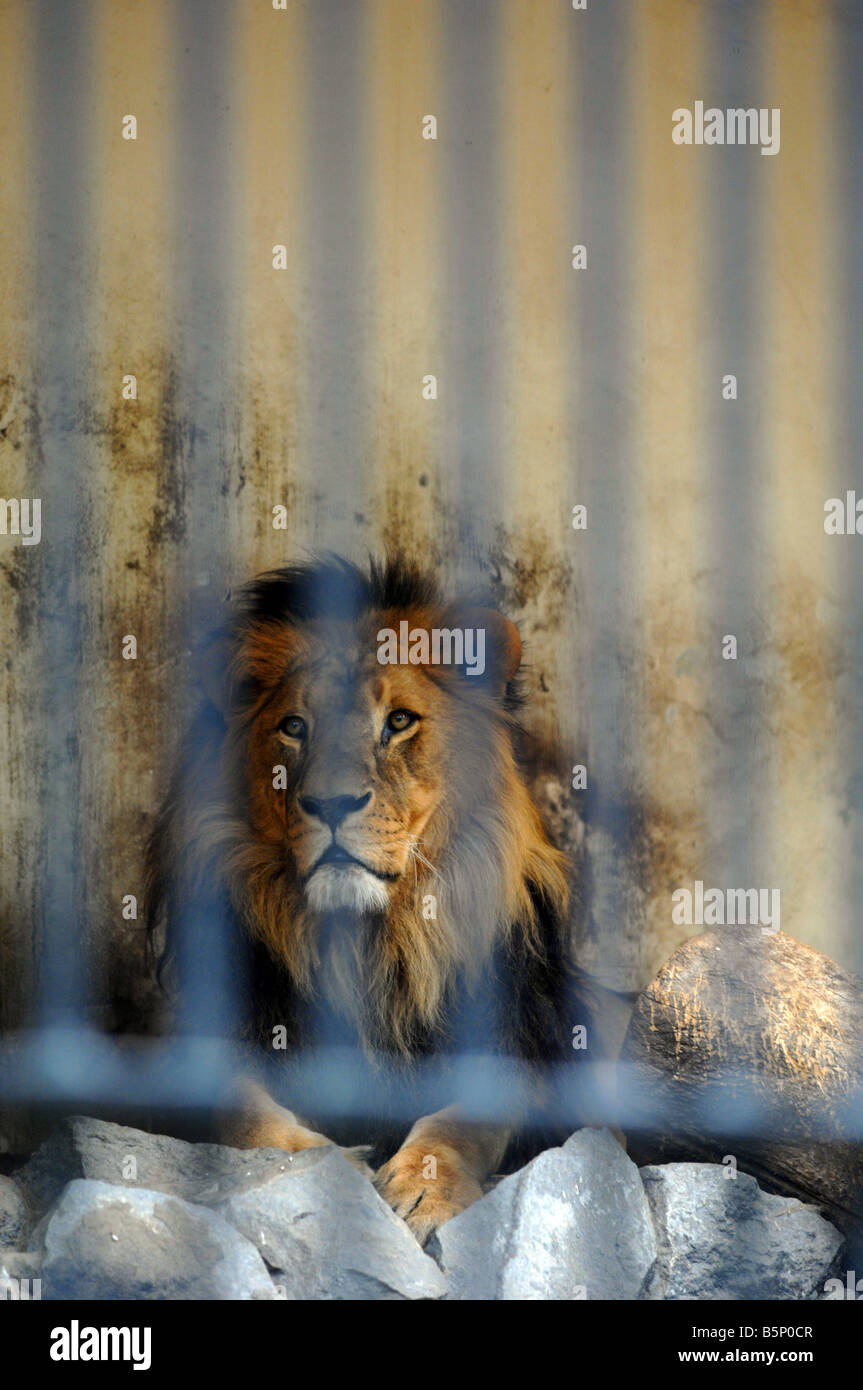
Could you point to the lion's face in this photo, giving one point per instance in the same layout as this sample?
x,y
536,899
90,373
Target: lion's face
x,y
368,822
368,752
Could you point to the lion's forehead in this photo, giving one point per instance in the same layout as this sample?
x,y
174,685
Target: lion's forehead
x,y
337,667
332,669
340,689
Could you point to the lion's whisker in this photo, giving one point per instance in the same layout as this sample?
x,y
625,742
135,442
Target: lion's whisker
x,y
417,854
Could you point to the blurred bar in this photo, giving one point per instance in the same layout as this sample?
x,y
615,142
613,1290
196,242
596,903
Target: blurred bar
x,y
469,381
178,1075
670,479
606,485
470,136
134,467
334,294
271,152
405,83
737,470
210,964
22,673
61,314
848,475
537,445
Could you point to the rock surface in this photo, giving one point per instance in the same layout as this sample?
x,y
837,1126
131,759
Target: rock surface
x,y
108,1242
326,1234
14,1219
723,1238
20,1276
81,1147
126,1214
319,1224
750,1043
20,1264
574,1223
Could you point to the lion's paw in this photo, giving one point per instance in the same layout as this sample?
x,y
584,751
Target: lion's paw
x,y
276,1128
295,1139
426,1188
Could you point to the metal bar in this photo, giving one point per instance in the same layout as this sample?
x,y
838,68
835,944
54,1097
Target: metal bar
x,y
849,38
472,386
209,965
71,1068
736,469
61,305
336,264
605,296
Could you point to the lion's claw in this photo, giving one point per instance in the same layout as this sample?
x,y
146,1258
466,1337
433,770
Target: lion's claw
x,y
425,1203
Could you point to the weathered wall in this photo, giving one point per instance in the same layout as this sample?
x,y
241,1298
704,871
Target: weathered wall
x,y
556,386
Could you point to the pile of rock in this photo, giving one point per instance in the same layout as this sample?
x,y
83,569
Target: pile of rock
x,y
103,1211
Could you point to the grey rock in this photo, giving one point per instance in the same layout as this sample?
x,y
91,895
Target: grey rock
x,y
723,1238
14,1218
326,1234
20,1264
81,1147
572,1224
110,1242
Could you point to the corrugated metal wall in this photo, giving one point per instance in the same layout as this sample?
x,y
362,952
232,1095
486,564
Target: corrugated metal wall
x,y
405,257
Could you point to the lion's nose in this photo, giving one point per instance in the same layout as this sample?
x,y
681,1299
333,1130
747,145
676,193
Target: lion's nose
x,y
333,809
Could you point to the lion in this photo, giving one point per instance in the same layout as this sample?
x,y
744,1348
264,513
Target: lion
x,y
362,828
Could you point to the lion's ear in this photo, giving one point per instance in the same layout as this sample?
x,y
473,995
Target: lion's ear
x,y
503,646
500,644
233,665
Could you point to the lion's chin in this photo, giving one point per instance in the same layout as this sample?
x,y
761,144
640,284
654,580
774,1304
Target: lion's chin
x,y
346,888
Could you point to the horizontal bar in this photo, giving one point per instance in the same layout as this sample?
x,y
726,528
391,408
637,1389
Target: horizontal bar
x,y
66,1068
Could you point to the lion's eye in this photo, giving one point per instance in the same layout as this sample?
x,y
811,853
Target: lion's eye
x,y
400,719
293,726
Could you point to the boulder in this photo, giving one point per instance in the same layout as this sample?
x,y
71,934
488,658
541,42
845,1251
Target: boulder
x,y
720,1237
14,1218
574,1223
748,1046
326,1234
20,1264
81,1147
108,1242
